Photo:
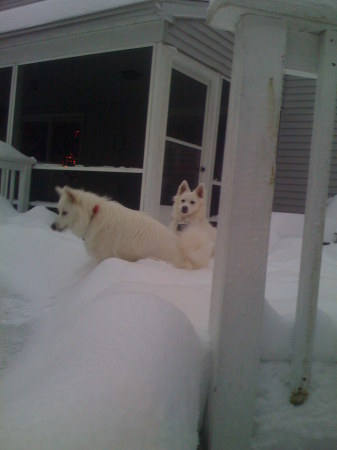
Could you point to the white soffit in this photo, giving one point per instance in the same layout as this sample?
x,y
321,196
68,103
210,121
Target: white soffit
x,y
49,11
37,13
307,15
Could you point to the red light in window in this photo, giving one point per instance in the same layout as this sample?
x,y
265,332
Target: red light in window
x,y
69,160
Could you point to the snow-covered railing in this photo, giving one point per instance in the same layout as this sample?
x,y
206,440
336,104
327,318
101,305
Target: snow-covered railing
x,y
15,175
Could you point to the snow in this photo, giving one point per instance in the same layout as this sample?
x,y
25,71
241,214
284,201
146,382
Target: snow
x,y
9,153
117,355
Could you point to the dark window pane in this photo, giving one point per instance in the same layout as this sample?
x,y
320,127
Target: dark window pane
x,y
5,89
181,163
214,211
54,140
35,140
186,108
220,144
91,110
65,142
113,185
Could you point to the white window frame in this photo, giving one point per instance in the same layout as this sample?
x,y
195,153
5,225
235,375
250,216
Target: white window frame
x,y
62,45
166,58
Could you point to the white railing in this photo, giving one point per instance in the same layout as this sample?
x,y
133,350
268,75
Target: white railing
x,y
15,175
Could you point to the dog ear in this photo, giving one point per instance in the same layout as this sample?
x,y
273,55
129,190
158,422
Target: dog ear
x,y
200,190
59,190
71,194
183,187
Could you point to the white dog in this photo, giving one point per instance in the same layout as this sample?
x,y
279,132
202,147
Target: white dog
x,y
189,208
112,230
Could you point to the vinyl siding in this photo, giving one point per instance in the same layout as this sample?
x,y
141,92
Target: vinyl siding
x,y
293,153
197,40
292,159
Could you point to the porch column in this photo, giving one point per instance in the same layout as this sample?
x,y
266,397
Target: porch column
x,y
156,129
318,182
243,229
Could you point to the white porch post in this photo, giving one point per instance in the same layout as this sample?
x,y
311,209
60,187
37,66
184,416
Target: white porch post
x,y
243,230
156,128
318,181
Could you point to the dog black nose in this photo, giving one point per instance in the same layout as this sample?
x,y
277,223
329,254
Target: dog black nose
x,y
184,209
53,226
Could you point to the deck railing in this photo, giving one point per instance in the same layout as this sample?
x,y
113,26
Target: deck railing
x,y
15,175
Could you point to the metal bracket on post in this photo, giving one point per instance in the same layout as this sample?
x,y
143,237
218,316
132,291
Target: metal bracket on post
x,y
318,181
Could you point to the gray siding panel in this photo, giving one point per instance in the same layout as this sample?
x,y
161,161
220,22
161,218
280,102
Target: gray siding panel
x,y
293,153
197,40
292,158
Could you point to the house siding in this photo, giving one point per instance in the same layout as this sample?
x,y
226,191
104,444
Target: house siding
x,y
293,154
292,159
195,39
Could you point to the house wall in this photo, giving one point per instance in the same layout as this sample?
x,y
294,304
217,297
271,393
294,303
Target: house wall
x,y
292,159
215,50
121,29
141,26
202,43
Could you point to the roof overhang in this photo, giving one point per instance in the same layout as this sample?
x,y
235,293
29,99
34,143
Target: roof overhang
x,y
26,15
305,15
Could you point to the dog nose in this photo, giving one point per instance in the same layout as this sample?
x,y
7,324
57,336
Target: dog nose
x,y
184,209
53,226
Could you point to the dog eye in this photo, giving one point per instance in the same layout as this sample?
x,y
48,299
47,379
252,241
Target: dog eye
x,y
192,202
183,200
64,213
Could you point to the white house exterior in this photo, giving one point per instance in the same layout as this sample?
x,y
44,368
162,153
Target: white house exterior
x,y
180,39
174,38
280,152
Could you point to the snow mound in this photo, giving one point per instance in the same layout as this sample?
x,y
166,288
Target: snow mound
x,y
117,355
102,374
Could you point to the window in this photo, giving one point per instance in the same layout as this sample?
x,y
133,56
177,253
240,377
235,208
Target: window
x,y
85,111
186,108
220,149
53,138
185,126
5,88
122,187
220,143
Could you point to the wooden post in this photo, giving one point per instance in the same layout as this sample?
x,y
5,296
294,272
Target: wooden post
x,y
243,230
318,181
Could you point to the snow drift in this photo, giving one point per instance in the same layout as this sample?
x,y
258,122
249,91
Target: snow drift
x,y
118,356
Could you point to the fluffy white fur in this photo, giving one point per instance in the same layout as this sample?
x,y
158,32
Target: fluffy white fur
x,y
189,208
112,230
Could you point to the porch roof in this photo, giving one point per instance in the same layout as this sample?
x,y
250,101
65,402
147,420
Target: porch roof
x,y
24,14
18,15
304,15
